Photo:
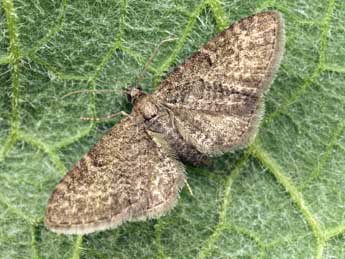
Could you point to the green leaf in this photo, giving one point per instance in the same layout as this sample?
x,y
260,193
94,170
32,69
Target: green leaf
x,y
283,197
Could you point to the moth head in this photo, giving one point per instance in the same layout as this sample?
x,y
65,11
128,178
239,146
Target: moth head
x,y
133,93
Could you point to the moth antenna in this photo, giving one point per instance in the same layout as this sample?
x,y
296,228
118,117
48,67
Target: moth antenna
x,y
100,91
107,117
149,61
188,187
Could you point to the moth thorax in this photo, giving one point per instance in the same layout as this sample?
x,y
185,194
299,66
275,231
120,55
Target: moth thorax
x,y
147,108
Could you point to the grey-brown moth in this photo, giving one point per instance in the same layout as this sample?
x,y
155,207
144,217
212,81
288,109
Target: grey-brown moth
x,y
210,104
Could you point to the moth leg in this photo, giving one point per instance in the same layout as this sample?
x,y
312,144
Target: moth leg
x,y
172,119
188,187
107,117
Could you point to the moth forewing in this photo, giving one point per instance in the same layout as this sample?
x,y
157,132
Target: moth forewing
x,y
125,176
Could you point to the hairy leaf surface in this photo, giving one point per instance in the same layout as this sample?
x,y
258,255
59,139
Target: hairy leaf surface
x,y
283,197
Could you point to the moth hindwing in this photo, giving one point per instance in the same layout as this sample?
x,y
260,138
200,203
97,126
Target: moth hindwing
x,y
210,104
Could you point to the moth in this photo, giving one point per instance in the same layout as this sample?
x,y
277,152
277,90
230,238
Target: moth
x,y
210,104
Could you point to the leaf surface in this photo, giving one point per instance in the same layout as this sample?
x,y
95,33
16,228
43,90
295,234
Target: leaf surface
x,y
283,197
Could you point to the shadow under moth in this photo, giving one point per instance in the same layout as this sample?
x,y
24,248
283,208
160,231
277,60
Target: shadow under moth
x,y
210,104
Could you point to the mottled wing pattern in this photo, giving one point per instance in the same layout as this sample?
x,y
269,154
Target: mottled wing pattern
x,y
210,133
130,174
217,94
